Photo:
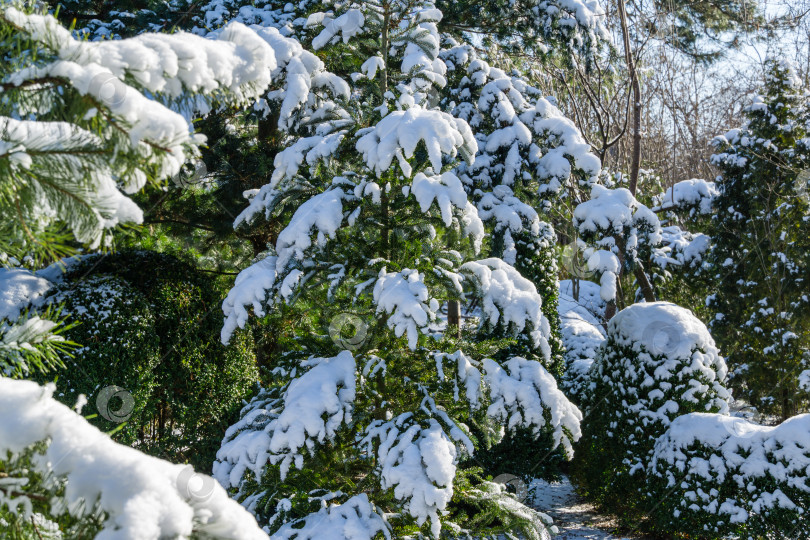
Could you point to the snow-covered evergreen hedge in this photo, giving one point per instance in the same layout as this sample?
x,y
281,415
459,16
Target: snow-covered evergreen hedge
x,y
718,476
118,346
659,362
148,324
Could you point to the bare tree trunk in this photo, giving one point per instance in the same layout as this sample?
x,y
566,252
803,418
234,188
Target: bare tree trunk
x,y
635,160
644,283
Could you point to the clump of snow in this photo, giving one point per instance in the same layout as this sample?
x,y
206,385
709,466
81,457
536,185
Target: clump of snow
x,y
445,189
169,64
355,519
404,297
609,210
323,212
524,392
467,372
665,329
141,496
804,380
398,134
508,214
250,289
694,194
19,289
685,248
298,80
418,463
314,406
509,300
345,27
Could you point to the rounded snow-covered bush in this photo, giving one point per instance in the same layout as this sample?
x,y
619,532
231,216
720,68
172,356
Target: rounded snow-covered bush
x,y
718,476
161,320
658,362
119,351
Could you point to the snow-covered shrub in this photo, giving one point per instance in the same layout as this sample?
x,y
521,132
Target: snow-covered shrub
x,y
149,325
582,335
718,476
658,362
60,471
118,346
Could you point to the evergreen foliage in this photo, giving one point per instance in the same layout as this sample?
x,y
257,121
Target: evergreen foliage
x,y
379,229
658,362
718,476
148,325
759,261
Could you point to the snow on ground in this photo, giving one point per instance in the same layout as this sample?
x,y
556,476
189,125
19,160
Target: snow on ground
x,y
575,518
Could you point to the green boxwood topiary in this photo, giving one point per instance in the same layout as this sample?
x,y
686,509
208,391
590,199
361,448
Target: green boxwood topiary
x,y
115,365
657,363
718,476
197,385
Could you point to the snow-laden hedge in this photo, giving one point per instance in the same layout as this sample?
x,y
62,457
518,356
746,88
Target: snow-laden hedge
x,y
658,362
717,476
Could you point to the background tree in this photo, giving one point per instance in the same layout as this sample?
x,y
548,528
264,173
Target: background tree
x,y
758,261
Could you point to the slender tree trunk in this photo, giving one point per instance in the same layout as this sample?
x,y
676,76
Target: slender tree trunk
x,y
635,160
454,317
385,232
644,283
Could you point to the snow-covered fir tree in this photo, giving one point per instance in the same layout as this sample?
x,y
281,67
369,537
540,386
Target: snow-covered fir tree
x,y
530,157
78,136
381,234
760,254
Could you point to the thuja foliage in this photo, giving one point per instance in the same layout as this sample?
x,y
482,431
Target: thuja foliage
x,y
760,257
658,362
